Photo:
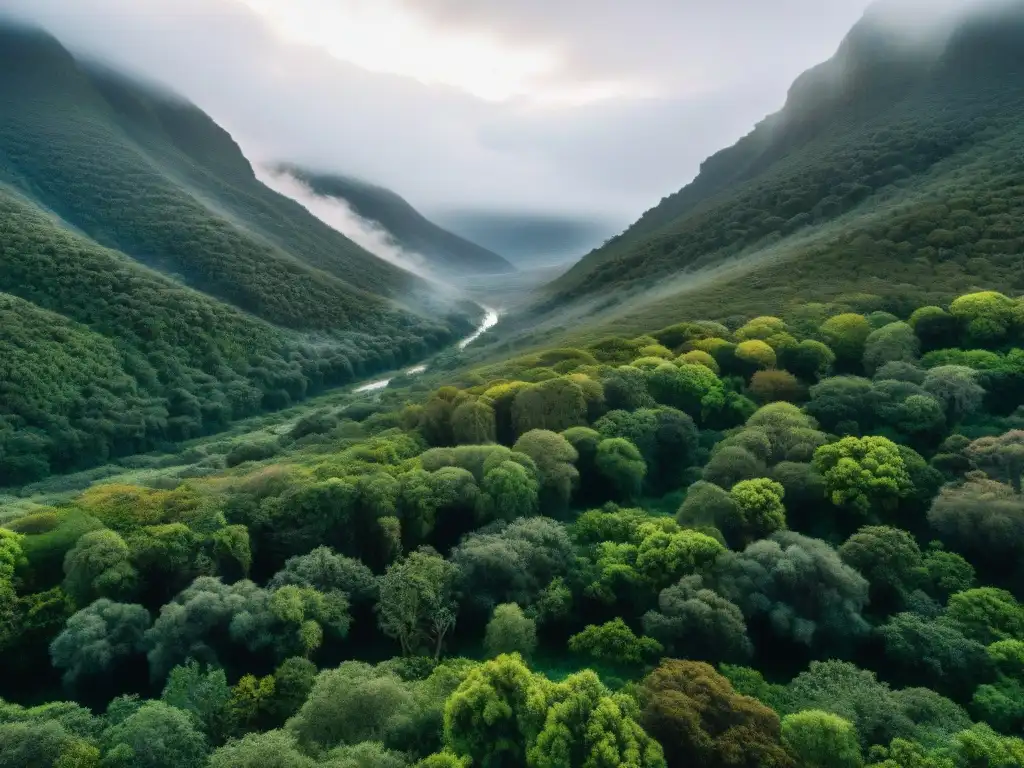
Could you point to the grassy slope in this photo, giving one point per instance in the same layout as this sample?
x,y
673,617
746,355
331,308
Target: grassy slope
x,y
443,250
890,173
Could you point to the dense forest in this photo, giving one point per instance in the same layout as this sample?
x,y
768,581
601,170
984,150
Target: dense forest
x,y
794,540
152,289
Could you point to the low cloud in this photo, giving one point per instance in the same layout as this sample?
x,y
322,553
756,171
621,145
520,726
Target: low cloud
x,y
338,215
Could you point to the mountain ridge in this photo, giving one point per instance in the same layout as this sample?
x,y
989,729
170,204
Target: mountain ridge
x,y
412,231
817,158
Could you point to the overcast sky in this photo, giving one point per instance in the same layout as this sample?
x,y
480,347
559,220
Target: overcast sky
x,y
590,107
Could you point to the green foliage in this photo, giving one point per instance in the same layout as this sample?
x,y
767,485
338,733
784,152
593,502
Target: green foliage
x,y
798,586
699,719
416,606
759,503
99,566
97,638
697,623
510,631
155,736
620,463
204,694
821,740
614,642
863,473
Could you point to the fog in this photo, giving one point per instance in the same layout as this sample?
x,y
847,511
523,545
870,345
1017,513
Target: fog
x,y
338,215
589,111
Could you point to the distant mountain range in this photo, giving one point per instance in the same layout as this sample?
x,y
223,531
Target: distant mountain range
x,y
442,250
895,169
529,239
151,287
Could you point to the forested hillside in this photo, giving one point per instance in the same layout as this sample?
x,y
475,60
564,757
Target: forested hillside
x,y
893,169
195,294
443,251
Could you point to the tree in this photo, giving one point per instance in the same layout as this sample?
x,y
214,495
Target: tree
x,y
155,736
895,342
1001,457
708,505
699,357
513,563
984,520
773,386
935,327
957,389
354,702
787,428
496,713
416,604
947,573
273,749
293,681
97,566
667,439
97,638
694,389
810,360
614,642
325,570
698,623
664,553
586,725
732,464
473,423
889,559
843,403
846,335
621,464
204,694
625,389
934,653
700,720
760,507
987,614
210,620
1002,703
552,405
863,472
756,354
821,740
509,491
798,587
510,631
853,694
555,458
987,317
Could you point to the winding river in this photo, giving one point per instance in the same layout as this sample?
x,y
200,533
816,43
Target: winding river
x,y
490,320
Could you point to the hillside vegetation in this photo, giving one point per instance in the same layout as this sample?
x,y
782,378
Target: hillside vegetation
x,y
892,170
195,295
442,250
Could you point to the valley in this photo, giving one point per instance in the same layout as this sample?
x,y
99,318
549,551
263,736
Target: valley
x,y
293,475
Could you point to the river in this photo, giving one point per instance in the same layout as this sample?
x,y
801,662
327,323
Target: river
x,y
490,320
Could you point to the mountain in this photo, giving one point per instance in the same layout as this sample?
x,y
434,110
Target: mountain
x,y
895,169
152,288
444,251
529,239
